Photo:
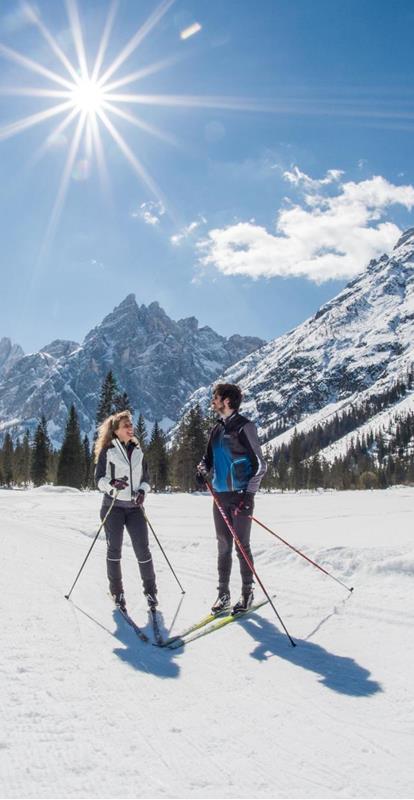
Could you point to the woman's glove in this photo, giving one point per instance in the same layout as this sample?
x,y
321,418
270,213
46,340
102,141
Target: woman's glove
x,y
119,483
139,497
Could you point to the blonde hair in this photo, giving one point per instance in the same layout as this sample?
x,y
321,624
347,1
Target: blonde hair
x,y
108,429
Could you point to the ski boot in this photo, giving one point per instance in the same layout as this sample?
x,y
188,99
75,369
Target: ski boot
x,y
245,601
119,600
222,603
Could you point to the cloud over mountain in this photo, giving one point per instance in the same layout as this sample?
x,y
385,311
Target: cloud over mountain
x,y
333,229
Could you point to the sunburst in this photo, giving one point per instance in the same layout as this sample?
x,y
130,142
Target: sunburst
x,y
87,99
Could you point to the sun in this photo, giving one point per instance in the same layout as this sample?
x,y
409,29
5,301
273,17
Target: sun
x,y
88,97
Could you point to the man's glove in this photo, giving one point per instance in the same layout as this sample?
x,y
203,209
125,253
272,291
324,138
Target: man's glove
x,y
119,483
245,505
139,497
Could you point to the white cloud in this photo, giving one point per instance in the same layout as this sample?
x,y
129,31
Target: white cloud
x,y
298,178
187,231
326,236
150,212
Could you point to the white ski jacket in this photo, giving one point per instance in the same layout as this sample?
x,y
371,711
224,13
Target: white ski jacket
x,y
117,461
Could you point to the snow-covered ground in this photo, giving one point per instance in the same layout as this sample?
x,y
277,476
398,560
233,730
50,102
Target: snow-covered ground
x,y
87,710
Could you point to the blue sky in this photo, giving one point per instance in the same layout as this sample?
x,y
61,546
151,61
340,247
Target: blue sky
x,y
255,213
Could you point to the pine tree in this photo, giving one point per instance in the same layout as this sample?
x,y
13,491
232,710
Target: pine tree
x,y
295,462
8,453
157,458
282,471
141,433
88,480
121,403
40,454
71,466
26,457
315,474
108,393
189,448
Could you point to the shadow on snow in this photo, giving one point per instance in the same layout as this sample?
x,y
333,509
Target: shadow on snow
x,y
339,673
141,655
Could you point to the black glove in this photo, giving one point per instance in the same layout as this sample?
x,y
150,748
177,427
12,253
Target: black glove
x,y
119,483
246,503
139,497
200,479
201,474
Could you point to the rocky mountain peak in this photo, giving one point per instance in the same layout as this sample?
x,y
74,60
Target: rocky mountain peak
x,y
156,360
59,348
9,353
407,236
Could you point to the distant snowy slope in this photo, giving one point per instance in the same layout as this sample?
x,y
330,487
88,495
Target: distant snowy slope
x,y
90,711
357,345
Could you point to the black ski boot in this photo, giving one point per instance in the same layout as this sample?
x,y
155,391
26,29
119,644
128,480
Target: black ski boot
x,y
151,600
119,600
244,602
222,603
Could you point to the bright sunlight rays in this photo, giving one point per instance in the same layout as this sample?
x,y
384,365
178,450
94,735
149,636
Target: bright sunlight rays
x,y
89,98
86,97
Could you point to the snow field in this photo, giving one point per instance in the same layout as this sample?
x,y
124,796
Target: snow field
x,y
89,711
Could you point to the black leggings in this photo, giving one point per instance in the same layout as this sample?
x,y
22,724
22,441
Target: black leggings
x,y
134,521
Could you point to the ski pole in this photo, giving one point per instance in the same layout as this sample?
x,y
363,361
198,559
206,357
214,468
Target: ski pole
x,y
89,551
162,549
248,562
295,550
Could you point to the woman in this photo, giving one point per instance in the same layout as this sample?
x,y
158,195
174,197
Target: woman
x,y
121,468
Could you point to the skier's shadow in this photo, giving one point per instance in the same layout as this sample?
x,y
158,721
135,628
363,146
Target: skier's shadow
x,y
339,673
143,656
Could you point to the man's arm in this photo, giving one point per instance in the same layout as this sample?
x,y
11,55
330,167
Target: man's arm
x,y
249,436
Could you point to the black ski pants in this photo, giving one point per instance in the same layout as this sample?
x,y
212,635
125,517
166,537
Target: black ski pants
x,y
132,518
241,524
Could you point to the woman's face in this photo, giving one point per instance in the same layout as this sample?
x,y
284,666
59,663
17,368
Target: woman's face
x,y
125,431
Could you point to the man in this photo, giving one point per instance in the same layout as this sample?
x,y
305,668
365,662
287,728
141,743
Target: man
x,y
235,458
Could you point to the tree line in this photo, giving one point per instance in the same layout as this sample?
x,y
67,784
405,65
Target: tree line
x,y
376,460
33,460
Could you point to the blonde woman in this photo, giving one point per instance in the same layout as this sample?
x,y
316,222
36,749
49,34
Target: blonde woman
x,y
121,467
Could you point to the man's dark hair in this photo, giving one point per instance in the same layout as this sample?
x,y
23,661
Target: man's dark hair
x,y
231,392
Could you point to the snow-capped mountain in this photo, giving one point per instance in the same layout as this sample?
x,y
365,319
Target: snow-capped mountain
x,y
9,353
356,346
156,360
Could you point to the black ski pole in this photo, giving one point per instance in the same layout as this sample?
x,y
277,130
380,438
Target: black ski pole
x,y
162,549
248,562
89,551
295,550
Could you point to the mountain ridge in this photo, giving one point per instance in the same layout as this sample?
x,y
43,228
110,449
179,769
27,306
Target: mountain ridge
x,y
156,360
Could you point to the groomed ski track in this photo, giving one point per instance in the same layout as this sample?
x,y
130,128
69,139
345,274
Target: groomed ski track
x,y
88,710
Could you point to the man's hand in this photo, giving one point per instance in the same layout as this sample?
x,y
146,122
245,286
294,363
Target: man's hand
x,y
246,503
201,474
119,483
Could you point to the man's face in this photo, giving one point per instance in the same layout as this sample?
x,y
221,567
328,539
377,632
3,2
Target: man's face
x,y
219,405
